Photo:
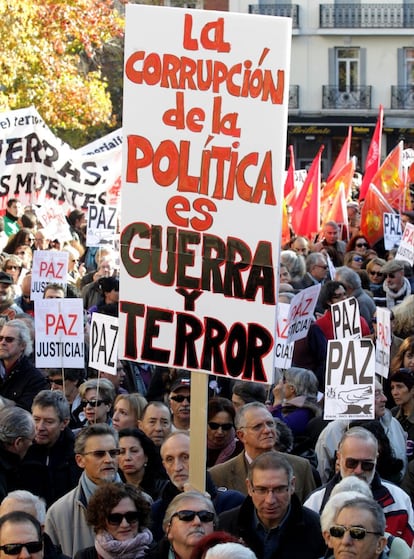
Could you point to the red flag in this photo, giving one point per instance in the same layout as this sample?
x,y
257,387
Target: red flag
x,y
305,208
389,178
290,177
372,215
372,162
330,191
343,156
285,224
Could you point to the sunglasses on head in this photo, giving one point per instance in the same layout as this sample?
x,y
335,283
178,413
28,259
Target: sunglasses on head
x,y
356,532
180,398
366,465
225,426
189,515
116,518
93,403
16,548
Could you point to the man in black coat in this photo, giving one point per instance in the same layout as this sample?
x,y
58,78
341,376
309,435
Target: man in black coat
x,y
50,465
271,520
20,381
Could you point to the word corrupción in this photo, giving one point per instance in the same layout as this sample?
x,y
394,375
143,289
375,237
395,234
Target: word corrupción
x,y
227,266
181,72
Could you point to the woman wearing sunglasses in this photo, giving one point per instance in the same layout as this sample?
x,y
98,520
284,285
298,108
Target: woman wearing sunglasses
x,y
97,397
188,518
222,443
119,515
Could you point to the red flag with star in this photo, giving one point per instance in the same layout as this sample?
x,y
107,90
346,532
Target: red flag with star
x,y
389,178
372,215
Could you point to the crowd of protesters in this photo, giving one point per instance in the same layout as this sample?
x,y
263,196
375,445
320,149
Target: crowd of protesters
x,y
97,466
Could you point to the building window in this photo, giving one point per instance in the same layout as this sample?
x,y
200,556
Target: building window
x,y
409,66
347,68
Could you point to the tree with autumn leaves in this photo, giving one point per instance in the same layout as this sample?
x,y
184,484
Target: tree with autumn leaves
x,y
64,57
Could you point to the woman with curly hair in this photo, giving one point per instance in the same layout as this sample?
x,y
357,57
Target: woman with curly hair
x,y
403,325
120,516
359,244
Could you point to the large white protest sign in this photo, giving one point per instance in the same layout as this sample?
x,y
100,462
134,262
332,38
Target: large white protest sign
x,y
59,333
283,349
35,165
406,249
346,319
103,343
101,225
383,342
350,379
392,230
49,266
301,312
204,124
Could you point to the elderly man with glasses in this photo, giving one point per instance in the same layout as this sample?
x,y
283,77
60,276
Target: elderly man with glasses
x,y
271,520
357,455
189,517
358,530
96,452
396,285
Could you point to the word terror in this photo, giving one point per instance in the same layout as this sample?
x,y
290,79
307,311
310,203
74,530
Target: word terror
x,y
199,344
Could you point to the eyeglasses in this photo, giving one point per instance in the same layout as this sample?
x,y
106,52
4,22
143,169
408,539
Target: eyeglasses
x,y
356,532
12,267
357,259
58,381
260,426
16,548
116,518
113,452
180,398
391,275
262,491
360,245
366,465
215,426
338,295
7,339
93,403
189,515
377,274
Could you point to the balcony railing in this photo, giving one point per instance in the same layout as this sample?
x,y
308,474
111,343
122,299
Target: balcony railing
x,y
283,10
357,98
374,16
402,97
293,97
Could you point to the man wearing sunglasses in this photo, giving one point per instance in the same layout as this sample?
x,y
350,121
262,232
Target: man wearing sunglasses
x,y
20,536
396,285
179,400
357,455
358,530
96,452
271,520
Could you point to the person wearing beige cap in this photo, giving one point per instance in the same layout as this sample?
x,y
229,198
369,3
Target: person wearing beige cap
x,y
396,285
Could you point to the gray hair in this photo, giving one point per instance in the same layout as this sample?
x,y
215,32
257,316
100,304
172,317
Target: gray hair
x,y
271,460
229,551
185,496
312,260
95,430
24,334
27,499
303,381
241,413
14,423
104,389
54,399
348,277
359,433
